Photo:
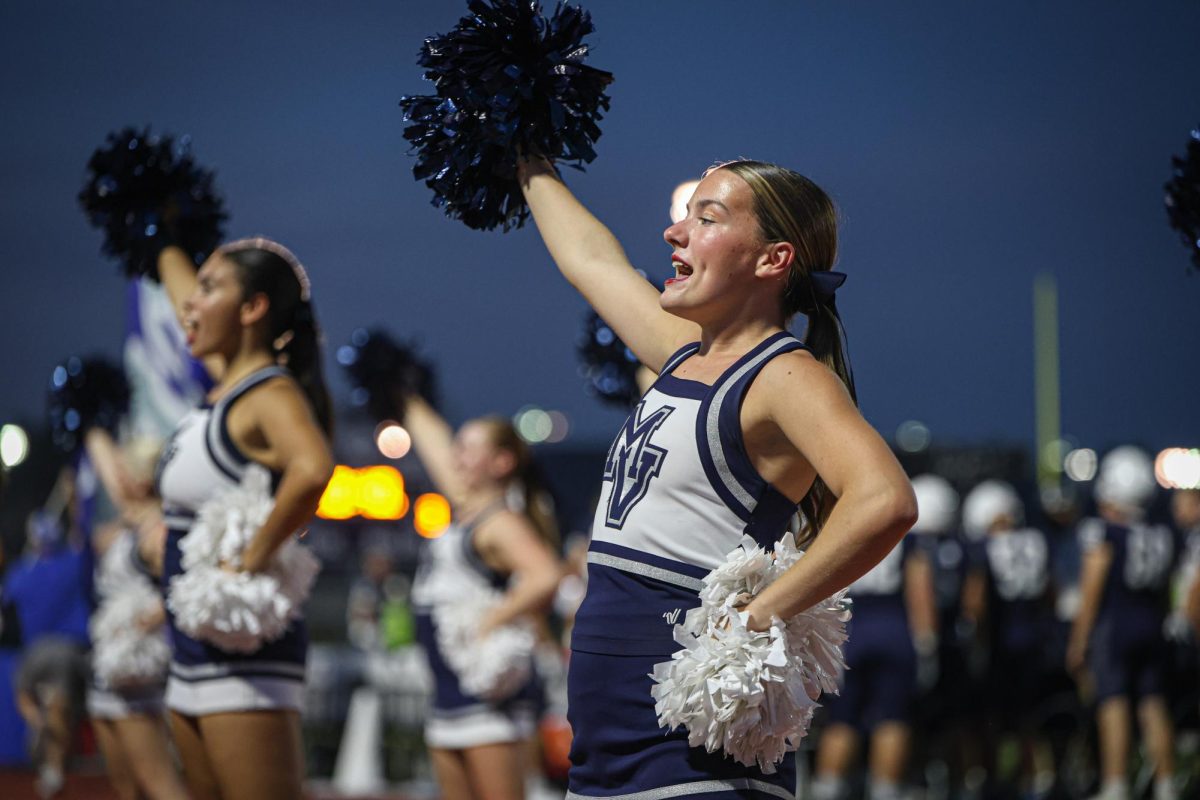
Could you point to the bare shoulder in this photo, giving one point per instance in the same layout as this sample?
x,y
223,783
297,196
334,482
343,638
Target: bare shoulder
x,y
279,396
797,376
501,523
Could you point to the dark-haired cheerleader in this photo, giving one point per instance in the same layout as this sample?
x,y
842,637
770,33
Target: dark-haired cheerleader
x,y
248,314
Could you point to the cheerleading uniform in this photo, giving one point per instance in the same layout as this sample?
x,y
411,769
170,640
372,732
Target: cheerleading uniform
x,y
120,568
679,492
1016,565
1128,653
199,462
458,720
880,682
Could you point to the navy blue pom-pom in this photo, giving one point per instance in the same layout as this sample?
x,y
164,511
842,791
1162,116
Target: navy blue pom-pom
x,y
145,192
1183,197
85,393
609,367
507,81
384,372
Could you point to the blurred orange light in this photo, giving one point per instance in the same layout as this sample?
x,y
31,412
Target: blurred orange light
x,y
341,495
431,515
375,492
381,493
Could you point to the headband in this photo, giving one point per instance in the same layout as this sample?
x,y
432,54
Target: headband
x,y
271,246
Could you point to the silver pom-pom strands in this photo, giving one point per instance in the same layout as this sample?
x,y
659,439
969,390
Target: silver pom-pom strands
x,y
750,693
238,611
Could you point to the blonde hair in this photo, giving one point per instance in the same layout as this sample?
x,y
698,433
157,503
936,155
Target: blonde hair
x,y
791,208
537,502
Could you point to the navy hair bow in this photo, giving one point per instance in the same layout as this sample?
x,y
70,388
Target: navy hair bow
x,y
825,283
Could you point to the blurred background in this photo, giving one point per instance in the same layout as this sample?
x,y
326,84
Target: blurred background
x,y
1017,305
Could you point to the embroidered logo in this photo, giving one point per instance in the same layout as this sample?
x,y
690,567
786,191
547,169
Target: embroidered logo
x,y
633,462
671,616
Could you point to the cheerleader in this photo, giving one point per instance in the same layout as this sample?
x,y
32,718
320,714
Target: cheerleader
x,y
130,651
1118,632
744,424
248,315
893,631
501,546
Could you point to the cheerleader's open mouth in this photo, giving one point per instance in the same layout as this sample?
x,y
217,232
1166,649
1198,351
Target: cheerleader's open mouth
x,y
682,272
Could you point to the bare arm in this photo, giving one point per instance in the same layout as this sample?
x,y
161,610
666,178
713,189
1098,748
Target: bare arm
x,y
178,276
295,446
1191,604
875,506
507,542
593,261
974,598
433,439
110,468
919,598
1093,574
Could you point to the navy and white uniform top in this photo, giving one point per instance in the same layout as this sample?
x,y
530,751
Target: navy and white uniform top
x,y
200,461
679,491
451,561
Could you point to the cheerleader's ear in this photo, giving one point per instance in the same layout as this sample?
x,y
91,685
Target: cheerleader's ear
x,y
254,309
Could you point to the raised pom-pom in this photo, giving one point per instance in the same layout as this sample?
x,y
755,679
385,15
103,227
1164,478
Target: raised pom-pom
x,y
750,693
493,666
609,367
508,81
84,393
145,192
383,372
1183,197
238,611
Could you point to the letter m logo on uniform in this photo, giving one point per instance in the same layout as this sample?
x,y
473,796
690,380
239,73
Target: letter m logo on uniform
x,y
633,462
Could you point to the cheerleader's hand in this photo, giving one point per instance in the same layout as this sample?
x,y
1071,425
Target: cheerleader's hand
x,y
233,568
490,622
150,621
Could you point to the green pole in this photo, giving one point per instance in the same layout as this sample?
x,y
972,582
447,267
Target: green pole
x,y
1046,380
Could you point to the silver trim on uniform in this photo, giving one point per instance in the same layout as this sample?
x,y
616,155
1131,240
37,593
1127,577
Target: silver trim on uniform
x,y
696,787
208,671
684,353
712,427
638,568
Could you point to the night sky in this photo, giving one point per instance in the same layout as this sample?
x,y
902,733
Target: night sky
x,y
969,146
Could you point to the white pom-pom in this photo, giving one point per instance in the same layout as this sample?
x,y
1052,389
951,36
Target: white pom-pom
x,y
750,693
493,666
124,653
238,611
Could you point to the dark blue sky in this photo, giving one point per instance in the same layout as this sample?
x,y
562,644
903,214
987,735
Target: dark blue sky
x,y
969,146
